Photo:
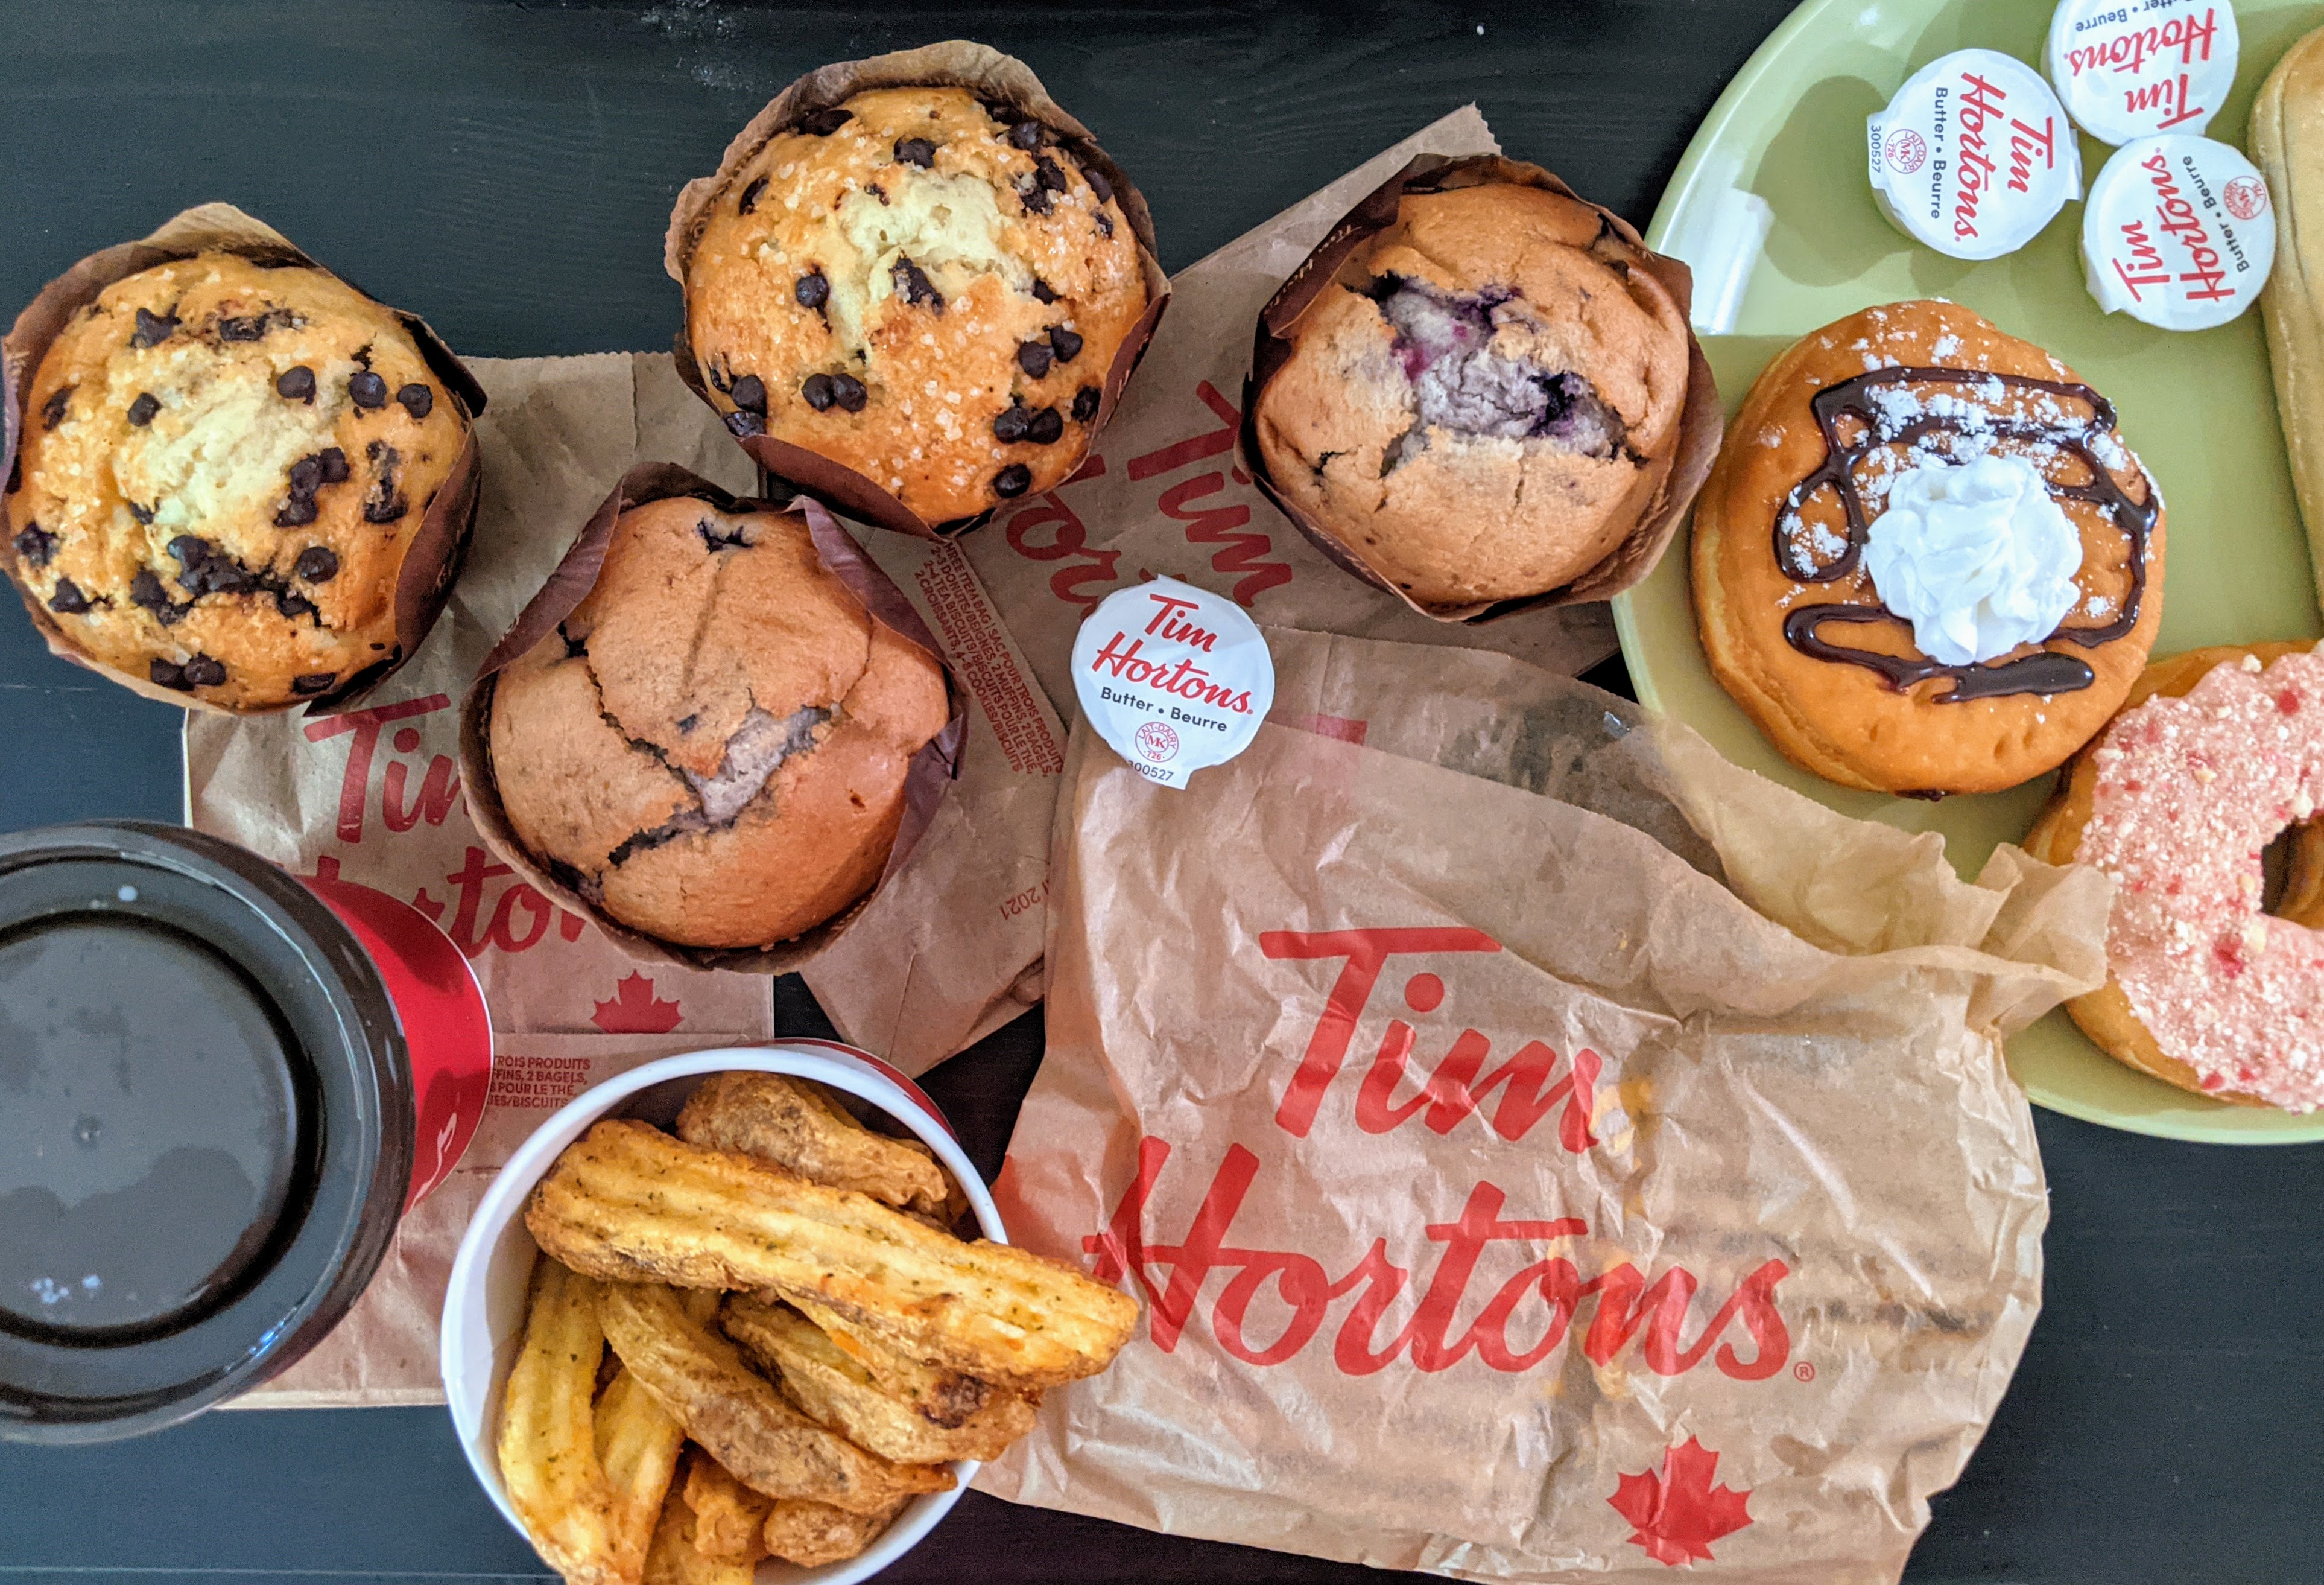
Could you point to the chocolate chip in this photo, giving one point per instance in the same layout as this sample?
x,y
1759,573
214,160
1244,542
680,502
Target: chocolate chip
x,y
297,511
1045,173
256,327
1041,291
68,597
1065,343
813,290
384,503
152,328
745,424
141,411
1046,427
916,151
417,399
307,474
168,675
1085,403
145,592
820,391
1099,183
912,284
1036,198
1104,222
1012,481
1025,134
334,465
207,571
293,606
316,564
823,123
52,411
296,384
313,682
1034,357
35,545
141,514
202,672
751,393
849,392
368,390
876,192
1009,427
749,198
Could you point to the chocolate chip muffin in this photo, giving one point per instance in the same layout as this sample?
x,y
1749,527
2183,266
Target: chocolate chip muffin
x,y
223,466
922,286
712,746
1485,400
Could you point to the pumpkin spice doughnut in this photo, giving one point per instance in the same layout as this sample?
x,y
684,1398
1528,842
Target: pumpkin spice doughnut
x,y
2218,752
1925,562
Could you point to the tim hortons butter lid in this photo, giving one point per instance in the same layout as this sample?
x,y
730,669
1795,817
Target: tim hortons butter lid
x,y
1974,155
2178,232
2130,69
1174,678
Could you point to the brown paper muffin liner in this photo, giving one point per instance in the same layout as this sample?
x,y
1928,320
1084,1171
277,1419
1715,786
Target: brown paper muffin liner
x,y
957,63
1702,422
926,783
431,561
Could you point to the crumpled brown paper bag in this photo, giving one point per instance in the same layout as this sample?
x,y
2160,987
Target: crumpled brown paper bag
x,y
1545,1151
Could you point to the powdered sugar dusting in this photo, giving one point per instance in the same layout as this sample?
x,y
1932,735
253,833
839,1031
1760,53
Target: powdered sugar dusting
x,y
2190,792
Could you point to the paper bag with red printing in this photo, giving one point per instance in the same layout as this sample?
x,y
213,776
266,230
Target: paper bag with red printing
x,y
1543,1151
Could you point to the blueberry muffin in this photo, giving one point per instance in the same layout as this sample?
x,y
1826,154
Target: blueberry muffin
x,y
222,467
712,748
922,286
1485,400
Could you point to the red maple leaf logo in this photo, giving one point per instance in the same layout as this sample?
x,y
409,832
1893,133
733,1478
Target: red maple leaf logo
x,y
636,1010
1678,1514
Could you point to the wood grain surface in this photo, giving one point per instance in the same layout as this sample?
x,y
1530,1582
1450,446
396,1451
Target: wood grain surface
x,y
506,170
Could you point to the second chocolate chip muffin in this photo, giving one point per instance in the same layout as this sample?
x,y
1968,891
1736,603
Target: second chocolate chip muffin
x,y
712,746
922,286
221,468
1487,398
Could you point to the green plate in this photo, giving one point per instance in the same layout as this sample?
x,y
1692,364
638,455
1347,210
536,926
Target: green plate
x,y
1782,152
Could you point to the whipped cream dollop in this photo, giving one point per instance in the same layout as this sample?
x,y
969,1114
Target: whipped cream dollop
x,y
1977,557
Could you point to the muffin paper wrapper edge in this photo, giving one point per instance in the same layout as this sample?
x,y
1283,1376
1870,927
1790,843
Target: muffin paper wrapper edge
x,y
933,769
438,545
954,63
1701,420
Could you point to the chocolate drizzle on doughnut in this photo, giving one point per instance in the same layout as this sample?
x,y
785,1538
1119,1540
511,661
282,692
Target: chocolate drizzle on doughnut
x,y
2047,672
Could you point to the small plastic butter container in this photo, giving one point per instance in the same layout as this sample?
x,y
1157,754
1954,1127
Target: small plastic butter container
x,y
1974,155
2179,231
1176,678
2134,69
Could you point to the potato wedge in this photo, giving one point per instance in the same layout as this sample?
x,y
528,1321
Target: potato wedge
x,y
728,1515
944,1397
736,1414
812,1532
793,1124
547,1444
675,1559
627,1202
824,1380
638,1444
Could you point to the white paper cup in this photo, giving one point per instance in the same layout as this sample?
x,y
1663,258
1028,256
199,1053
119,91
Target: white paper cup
x,y
483,1308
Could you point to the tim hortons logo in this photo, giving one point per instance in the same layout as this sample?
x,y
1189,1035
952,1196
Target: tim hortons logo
x,y
1526,1316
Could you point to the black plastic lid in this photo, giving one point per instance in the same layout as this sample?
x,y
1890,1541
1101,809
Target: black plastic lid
x,y
206,1126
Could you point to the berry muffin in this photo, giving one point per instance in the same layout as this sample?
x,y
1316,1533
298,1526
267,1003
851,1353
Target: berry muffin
x,y
712,746
1486,399
221,468
922,286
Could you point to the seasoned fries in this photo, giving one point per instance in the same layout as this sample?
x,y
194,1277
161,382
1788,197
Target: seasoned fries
x,y
675,1559
792,1123
947,1397
547,1439
826,1382
812,1532
728,1515
626,1202
637,1445
738,1417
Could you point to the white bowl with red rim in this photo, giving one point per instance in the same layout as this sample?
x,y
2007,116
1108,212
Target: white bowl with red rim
x,y
483,1306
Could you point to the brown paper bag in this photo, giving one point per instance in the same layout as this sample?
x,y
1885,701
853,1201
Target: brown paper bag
x,y
1166,495
1545,1152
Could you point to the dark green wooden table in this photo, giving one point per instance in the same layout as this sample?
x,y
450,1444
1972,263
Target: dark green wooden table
x,y
506,170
